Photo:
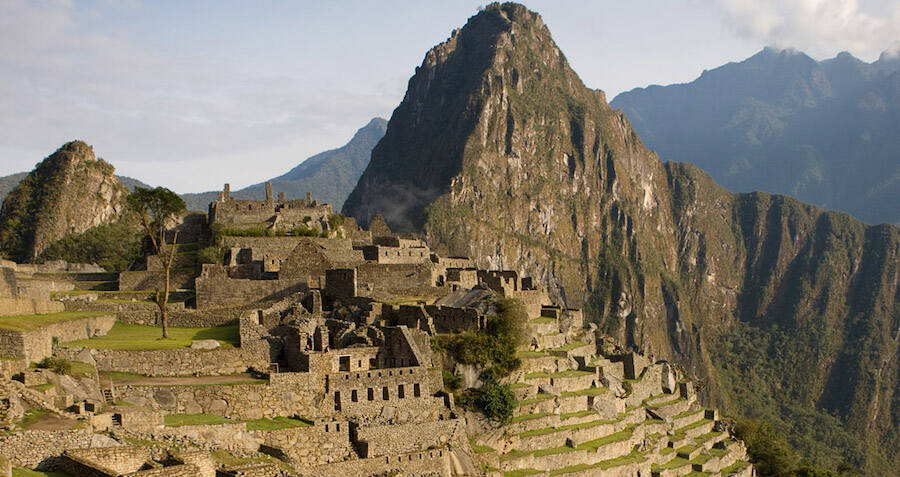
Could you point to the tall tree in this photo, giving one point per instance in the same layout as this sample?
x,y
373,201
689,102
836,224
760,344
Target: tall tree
x,y
157,208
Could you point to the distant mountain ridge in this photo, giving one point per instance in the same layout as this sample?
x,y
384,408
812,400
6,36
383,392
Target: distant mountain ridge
x,y
329,175
826,132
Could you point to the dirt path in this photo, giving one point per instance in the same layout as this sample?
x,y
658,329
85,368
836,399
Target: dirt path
x,y
188,380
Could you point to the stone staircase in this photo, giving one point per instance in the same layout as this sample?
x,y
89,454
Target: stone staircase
x,y
568,423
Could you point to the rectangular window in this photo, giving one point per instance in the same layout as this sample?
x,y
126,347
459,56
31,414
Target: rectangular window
x,y
371,394
337,400
384,393
400,393
353,396
416,391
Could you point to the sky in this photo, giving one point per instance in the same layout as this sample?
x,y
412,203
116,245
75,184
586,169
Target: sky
x,y
192,94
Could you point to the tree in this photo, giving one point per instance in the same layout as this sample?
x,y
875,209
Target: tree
x,y
156,208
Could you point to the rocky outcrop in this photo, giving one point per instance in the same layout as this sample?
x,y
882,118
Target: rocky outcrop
x,y
499,152
67,193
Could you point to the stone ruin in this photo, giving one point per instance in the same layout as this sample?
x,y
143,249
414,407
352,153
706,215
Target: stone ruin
x,y
333,371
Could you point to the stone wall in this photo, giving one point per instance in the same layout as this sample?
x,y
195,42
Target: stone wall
x,y
179,279
448,319
41,449
12,367
395,277
429,462
398,395
145,313
286,394
104,462
28,306
378,441
216,290
5,467
321,443
174,362
35,345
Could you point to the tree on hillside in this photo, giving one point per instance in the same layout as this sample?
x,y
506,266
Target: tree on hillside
x,y
156,208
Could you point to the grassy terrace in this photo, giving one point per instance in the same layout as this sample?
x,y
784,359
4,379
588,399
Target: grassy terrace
x,y
570,415
531,354
178,420
735,468
687,413
569,427
680,431
529,417
540,397
20,472
632,458
125,336
672,464
585,392
569,373
34,322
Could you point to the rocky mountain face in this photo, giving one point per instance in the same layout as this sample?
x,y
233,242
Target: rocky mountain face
x,y
329,175
68,192
825,132
498,151
8,183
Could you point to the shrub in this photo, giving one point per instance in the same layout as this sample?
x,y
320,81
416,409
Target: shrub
x,y
113,246
496,401
58,366
335,220
452,382
304,231
211,254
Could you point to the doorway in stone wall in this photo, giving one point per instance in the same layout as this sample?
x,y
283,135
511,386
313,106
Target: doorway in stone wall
x,y
344,363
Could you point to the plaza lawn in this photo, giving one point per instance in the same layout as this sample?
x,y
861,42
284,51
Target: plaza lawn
x,y
124,336
20,472
33,322
275,423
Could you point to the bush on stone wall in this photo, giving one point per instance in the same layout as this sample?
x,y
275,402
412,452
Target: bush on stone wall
x,y
112,246
58,366
494,348
496,401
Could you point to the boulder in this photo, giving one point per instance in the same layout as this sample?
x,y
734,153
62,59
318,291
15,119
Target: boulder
x,y
668,378
608,407
549,389
204,344
613,384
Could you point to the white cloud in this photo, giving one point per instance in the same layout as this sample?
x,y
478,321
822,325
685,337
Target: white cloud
x,y
819,27
180,120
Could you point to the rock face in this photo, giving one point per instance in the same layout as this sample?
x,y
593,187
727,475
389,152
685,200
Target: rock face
x,y
67,193
499,152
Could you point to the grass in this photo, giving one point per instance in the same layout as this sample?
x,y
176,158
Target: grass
x,y
675,463
479,448
227,459
540,397
31,417
570,415
125,336
632,458
734,468
41,387
521,473
275,424
531,354
686,413
585,392
569,427
120,375
34,322
614,437
569,373
681,431
529,417
178,420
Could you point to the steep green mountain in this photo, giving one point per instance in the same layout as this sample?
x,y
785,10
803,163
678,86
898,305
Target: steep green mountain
x,y
498,151
8,183
329,175
67,193
825,132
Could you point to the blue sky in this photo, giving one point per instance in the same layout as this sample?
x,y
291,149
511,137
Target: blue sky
x,y
193,94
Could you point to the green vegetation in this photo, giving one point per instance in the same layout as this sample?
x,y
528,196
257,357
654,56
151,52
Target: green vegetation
x,y
31,417
178,420
113,246
529,417
336,220
496,401
124,336
494,348
34,322
304,231
774,457
57,365
452,382
155,208
275,424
